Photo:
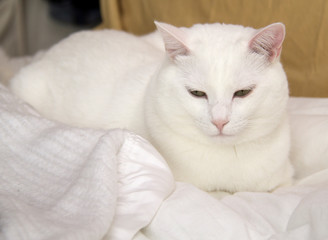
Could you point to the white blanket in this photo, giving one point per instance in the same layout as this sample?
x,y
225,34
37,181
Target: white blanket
x,y
59,182
295,213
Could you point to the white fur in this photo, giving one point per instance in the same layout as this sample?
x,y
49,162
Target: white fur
x,y
111,79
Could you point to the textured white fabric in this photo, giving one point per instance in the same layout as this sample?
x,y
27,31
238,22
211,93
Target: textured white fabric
x,y
297,213
58,182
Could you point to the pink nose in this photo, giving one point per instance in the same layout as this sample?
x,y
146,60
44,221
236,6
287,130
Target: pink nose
x,y
220,123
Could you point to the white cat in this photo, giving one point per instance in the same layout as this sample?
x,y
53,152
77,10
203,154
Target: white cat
x,y
213,103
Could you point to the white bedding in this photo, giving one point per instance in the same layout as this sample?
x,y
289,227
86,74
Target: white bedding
x,y
59,182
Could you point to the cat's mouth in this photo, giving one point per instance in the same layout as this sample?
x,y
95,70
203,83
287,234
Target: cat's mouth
x,y
221,135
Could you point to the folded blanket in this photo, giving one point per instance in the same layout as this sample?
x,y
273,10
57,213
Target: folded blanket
x,y
59,182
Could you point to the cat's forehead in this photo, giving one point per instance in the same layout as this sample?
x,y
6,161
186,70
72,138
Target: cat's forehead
x,y
218,58
221,76
219,46
222,72
218,36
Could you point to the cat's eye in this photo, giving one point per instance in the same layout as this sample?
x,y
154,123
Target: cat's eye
x,y
242,93
197,93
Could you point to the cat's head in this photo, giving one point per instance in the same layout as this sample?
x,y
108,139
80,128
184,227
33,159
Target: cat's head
x,y
222,82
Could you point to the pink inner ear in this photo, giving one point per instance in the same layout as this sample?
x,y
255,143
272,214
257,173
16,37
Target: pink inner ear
x,y
268,41
173,38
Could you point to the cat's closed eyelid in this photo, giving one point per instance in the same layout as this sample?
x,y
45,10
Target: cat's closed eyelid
x,y
197,93
244,92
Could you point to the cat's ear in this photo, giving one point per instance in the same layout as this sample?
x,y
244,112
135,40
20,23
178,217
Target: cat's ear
x,y
174,40
268,41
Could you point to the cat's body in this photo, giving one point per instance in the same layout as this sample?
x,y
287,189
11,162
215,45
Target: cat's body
x,y
214,105
96,84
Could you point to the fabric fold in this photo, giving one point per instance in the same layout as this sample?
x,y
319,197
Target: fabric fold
x,y
60,182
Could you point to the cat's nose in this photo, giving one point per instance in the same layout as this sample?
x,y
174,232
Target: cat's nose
x,y
220,123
